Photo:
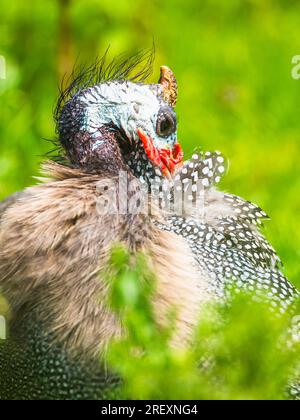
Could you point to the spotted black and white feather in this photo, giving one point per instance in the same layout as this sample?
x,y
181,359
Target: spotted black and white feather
x,y
224,235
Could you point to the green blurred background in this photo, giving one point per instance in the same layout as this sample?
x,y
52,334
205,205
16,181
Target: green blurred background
x,y
232,59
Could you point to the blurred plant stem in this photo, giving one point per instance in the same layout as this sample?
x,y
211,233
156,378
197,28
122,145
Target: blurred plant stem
x,y
65,39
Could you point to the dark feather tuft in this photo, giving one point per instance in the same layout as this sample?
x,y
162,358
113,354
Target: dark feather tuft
x,y
57,153
136,68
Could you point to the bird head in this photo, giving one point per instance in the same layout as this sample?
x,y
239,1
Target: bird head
x,y
119,123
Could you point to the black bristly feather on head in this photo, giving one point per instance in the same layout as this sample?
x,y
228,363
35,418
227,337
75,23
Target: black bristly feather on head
x,y
135,68
57,153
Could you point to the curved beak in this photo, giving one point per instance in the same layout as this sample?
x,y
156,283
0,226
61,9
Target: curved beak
x,y
168,160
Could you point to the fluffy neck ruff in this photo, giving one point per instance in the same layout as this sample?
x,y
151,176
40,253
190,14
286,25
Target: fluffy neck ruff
x,y
55,245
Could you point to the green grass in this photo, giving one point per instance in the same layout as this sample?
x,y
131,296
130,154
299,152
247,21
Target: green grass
x,y
240,351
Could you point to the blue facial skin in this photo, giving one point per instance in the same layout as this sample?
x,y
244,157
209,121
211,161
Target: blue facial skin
x,y
99,120
128,106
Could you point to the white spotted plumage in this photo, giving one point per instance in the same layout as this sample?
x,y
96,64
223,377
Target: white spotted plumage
x,y
228,247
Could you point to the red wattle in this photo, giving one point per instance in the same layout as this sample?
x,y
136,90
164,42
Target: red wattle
x,y
168,160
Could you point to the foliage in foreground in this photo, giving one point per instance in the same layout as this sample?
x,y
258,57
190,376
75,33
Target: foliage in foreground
x,y
240,351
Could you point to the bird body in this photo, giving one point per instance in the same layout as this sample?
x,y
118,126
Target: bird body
x,y
56,237
52,268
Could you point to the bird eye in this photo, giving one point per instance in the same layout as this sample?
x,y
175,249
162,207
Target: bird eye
x,y
166,122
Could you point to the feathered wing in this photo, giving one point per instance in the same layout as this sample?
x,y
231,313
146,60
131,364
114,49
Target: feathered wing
x,y
223,232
